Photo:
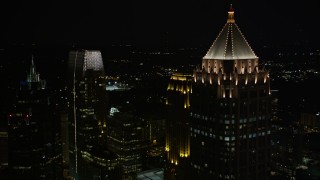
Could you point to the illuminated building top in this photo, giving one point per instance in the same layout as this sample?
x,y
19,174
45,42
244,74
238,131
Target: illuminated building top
x,y
33,76
93,60
33,80
230,43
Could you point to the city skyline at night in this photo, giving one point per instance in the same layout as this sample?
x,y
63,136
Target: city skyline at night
x,y
160,90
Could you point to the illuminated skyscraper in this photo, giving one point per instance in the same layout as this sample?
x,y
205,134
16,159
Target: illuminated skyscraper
x,y
177,126
230,111
88,108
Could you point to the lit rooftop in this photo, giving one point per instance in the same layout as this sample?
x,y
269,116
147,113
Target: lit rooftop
x,y
230,43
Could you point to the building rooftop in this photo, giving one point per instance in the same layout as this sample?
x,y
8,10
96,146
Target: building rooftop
x,y
230,43
154,174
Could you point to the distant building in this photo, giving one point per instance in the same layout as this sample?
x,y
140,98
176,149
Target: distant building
x,y
295,139
127,138
287,140
154,174
33,79
101,163
230,111
117,86
310,121
155,136
32,137
3,148
65,144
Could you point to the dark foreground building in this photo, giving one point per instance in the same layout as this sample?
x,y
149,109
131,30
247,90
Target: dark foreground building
x,y
127,139
230,111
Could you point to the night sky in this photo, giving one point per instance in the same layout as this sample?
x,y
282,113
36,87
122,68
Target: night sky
x,y
191,23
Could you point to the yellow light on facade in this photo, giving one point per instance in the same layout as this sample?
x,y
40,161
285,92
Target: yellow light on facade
x,y
167,148
179,77
184,154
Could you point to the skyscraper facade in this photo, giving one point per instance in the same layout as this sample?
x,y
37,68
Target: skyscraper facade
x,y
127,139
88,108
230,111
177,126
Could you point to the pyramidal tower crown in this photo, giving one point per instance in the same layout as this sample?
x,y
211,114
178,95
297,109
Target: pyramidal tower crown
x,y
230,43
230,51
230,104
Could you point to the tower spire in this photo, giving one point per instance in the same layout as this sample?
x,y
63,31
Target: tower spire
x,y
231,15
231,8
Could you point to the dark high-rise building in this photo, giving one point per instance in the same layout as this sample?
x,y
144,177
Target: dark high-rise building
x,y
31,131
127,139
288,148
65,143
230,111
177,126
3,148
156,127
88,109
